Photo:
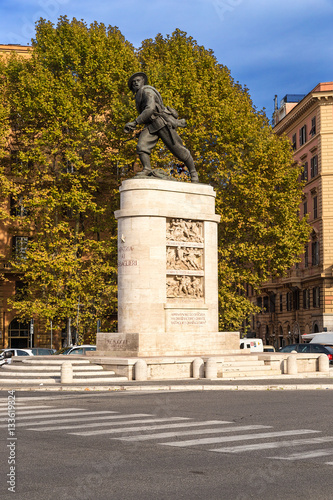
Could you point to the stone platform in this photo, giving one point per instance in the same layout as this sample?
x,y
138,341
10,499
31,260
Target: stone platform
x,y
167,272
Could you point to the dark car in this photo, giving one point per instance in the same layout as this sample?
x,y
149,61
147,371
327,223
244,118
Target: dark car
x,y
310,348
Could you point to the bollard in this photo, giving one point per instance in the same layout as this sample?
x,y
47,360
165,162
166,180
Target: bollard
x,y
292,365
140,370
198,368
66,375
211,368
323,363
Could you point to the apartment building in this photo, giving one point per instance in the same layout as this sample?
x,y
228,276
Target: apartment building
x,y
302,301
13,333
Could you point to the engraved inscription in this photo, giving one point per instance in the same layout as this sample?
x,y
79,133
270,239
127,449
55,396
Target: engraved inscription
x,y
188,318
117,343
124,256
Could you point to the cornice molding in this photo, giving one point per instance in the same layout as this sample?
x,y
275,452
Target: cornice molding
x,y
312,99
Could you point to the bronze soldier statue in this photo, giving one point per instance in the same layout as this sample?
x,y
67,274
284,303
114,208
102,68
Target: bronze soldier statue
x,y
160,123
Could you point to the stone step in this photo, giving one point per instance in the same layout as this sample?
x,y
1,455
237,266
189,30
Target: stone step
x,y
32,374
56,380
249,374
42,362
18,367
247,363
245,368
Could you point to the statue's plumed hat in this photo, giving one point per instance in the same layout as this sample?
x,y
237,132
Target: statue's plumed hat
x,y
131,78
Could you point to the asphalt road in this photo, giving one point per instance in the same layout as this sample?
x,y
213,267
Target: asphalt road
x,y
168,445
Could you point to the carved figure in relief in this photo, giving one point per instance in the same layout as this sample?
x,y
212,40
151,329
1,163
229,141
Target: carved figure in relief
x,y
184,258
184,286
193,258
170,258
181,230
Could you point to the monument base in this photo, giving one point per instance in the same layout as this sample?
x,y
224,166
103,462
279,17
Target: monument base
x,y
170,344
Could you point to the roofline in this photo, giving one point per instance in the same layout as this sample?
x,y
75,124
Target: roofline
x,y
302,106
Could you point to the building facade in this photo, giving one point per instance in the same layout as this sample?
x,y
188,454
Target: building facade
x,y
14,333
302,301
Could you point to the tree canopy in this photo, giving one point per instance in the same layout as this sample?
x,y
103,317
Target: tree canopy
x,y
64,155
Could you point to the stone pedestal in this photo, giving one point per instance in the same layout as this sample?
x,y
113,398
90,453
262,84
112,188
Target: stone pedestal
x,y
167,272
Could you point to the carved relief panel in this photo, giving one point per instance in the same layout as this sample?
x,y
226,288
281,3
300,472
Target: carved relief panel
x,y
185,259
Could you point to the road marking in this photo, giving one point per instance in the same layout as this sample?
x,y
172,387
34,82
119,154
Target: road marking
x,y
241,437
96,424
135,429
60,419
23,407
21,411
307,454
275,444
164,435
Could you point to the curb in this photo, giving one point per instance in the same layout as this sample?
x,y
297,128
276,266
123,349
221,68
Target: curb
x,y
174,388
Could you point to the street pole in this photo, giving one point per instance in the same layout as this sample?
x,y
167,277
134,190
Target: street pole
x,y
51,333
31,332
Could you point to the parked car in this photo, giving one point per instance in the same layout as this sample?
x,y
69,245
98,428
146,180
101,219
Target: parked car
x,y
269,348
310,348
14,352
63,350
81,349
18,352
42,351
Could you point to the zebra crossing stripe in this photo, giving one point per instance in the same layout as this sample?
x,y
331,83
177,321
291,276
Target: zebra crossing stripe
x,y
71,412
20,411
102,424
215,430
136,428
45,418
96,423
275,444
240,437
307,454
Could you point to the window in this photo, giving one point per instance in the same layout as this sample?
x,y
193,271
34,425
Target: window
x,y
315,253
306,256
304,175
316,296
302,135
20,245
281,302
272,298
305,208
296,300
315,207
314,166
313,126
306,299
16,207
259,303
289,299
293,141
266,307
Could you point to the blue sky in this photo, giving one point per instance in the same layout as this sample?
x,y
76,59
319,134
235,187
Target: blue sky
x,y
270,46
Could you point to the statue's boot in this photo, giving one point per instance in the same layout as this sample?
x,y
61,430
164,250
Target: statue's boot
x,y
193,173
145,160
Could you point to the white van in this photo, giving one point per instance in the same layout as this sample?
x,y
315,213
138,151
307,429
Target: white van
x,y
255,345
322,338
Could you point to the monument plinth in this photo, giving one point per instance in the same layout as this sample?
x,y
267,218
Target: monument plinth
x,y
167,272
